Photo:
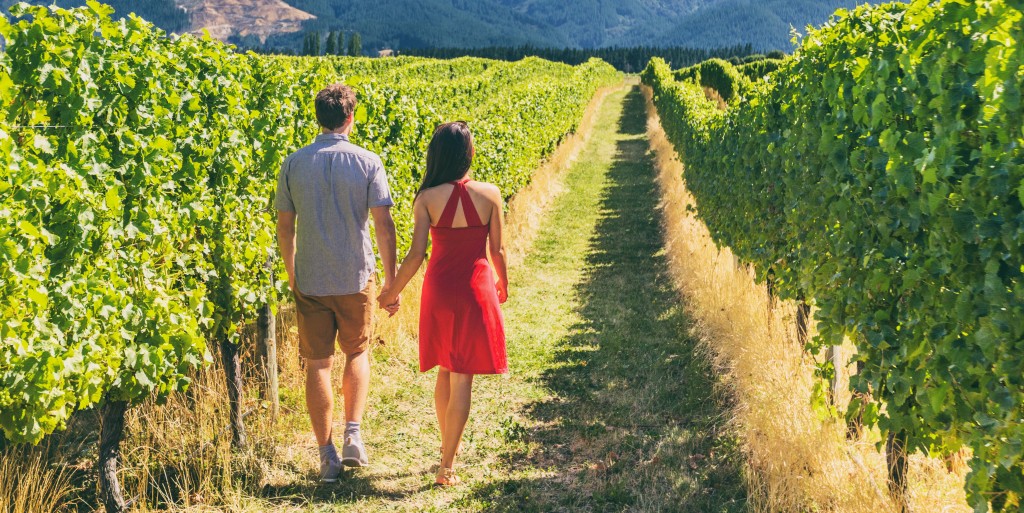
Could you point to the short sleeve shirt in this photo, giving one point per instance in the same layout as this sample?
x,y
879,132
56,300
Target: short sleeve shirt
x,y
331,185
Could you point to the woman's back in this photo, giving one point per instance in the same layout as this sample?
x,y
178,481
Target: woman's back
x,y
484,197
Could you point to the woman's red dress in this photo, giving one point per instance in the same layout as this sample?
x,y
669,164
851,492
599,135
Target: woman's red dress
x,y
461,327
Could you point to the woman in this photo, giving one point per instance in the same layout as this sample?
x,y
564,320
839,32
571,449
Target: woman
x,y
461,327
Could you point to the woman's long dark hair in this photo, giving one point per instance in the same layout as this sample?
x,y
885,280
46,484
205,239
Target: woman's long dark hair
x,y
449,155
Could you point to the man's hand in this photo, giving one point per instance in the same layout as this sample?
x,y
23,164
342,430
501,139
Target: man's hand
x,y
389,301
291,284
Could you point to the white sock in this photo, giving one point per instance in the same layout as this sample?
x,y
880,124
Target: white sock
x,y
328,453
352,429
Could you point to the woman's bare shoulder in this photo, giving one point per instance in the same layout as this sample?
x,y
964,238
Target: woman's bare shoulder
x,y
488,190
436,192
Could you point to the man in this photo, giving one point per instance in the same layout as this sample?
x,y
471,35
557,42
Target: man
x,y
325,195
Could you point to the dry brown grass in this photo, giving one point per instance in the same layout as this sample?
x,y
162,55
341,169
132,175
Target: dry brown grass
x,y
179,453
797,460
713,95
29,485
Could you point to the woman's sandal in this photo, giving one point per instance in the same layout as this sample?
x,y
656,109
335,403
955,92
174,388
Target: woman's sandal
x,y
446,477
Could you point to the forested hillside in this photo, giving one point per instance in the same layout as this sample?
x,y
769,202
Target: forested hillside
x,y
767,24
579,23
407,24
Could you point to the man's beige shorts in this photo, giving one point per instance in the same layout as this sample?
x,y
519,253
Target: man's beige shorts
x,y
324,319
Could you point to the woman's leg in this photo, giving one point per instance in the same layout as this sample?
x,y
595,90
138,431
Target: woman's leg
x,y
457,414
442,389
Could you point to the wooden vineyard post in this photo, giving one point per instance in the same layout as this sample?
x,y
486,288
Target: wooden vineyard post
x,y
834,355
896,460
233,372
855,425
266,335
266,343
803,314
111,433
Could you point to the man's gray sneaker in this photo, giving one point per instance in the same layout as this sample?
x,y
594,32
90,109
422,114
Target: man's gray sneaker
x,y
330,465
353,454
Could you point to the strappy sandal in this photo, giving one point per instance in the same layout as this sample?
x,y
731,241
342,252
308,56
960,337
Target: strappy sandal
x,y
446,477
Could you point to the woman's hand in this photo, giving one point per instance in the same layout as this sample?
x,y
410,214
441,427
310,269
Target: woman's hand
x,y
502,291
389,301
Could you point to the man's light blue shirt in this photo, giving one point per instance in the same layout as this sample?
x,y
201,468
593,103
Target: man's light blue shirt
x,y
331,185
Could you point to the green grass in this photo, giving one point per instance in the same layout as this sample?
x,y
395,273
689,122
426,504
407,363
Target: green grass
x,y
606,408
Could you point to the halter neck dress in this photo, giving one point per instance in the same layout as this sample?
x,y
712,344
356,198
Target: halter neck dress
x,y
461,326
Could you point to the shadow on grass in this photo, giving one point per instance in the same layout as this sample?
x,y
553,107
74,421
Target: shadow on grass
x,y
352,487
634,421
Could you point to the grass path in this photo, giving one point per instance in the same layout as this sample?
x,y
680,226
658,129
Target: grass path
x,y
607,406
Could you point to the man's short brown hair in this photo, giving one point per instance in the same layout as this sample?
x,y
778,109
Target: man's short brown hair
x,y
334,105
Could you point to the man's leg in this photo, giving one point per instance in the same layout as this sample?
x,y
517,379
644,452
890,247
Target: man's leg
x,y
317,331
320,398
356,385
355,317
320,404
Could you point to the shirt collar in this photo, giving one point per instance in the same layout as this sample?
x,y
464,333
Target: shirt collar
x,y
331,137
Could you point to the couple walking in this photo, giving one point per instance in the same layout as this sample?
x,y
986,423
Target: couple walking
x,y
326,193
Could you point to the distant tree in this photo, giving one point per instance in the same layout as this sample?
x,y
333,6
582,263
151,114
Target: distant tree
x,y
340,44
355,45
316,44
329,47
249,42
776,54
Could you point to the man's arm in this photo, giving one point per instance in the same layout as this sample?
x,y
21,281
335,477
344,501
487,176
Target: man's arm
x,y
389,297
286,242
384,227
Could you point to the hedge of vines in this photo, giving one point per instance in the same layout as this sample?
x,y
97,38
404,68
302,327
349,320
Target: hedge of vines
x,y
136,178
880,173
717,74
758,70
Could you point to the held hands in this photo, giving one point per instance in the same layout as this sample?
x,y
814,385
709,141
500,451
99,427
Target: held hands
x,y
502,286
389,300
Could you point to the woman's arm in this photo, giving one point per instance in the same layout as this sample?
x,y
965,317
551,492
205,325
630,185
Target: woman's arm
x,y
496,240
388,298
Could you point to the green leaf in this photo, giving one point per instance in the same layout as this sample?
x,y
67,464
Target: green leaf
x,y
112,199
42,144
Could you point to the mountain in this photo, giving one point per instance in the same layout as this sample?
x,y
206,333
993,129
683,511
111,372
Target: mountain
x,y
766,24
398,24
424,23
224,19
